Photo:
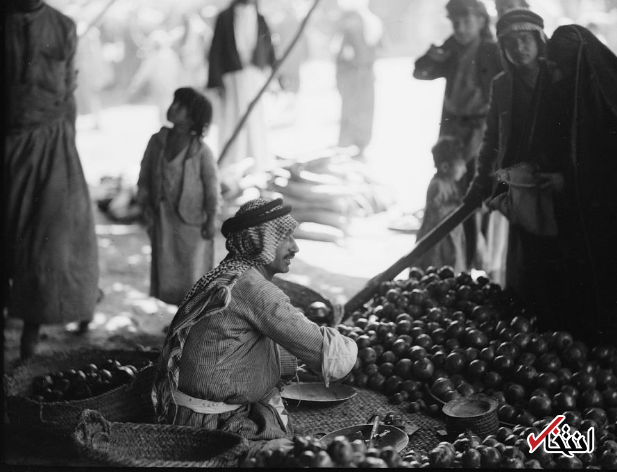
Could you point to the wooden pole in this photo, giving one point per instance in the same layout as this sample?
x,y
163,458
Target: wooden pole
x,y
97,18
275,69
459,215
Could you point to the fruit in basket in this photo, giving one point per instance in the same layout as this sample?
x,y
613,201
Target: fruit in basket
x,y
610,398
590,398
503,364
475,338
441,457
520,324
605,378
403,368
548,381
340,453
565,462
367,355
604,354
81,392
561,340
537,346
471,459
125,374
90,369
455,363
548,362
563,401
583,380
490,457
105,375
540,406
78,384
110,364
40,383
423,369
318,312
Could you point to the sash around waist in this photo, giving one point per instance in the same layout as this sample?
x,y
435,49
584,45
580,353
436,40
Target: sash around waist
x,y
201,406
35,120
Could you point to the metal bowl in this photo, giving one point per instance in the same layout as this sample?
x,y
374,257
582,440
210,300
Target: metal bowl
x,y
394,436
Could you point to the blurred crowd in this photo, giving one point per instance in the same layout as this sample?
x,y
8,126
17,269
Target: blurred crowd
x,y
121,50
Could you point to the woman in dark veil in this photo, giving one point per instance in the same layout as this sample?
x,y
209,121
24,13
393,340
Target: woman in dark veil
x,y
586,103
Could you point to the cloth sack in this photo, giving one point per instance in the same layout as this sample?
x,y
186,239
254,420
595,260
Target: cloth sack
x,y
525,203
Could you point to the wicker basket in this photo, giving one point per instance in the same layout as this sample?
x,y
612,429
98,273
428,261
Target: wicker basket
x,y
476,413
128,402
155,445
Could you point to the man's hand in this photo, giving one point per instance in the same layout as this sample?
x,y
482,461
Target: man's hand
x,y
438,54
208,229
307,375
552,181
473,196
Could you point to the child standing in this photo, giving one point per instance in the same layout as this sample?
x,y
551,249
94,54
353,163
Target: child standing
x,y
442,197
178,190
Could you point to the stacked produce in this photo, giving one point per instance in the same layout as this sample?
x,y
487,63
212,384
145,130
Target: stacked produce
x,y
77,384
509,449
326,192
341,452
436,337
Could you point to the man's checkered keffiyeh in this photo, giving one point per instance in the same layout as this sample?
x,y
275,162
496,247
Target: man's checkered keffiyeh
x,y
248,247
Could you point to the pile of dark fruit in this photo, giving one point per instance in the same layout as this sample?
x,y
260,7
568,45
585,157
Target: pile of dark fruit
x,y
509,449
341,452
89,381
438,336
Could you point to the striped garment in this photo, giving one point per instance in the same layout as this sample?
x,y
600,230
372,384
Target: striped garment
x,y
236,335
239,355
248,247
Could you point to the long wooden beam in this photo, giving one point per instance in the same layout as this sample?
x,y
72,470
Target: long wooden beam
x,y
458,216
97,18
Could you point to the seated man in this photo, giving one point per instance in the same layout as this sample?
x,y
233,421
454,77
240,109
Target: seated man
x,y
236,334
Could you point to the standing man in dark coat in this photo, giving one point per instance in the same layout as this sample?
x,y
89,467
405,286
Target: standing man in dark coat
x,y
468,60
52,257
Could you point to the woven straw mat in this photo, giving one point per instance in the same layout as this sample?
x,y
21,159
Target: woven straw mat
x,y
310,418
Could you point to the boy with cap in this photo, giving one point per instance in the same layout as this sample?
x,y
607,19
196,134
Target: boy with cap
x,y
468,60
517,133
236,335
